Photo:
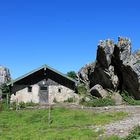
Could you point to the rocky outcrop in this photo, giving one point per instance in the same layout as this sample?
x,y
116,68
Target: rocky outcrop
x,y
115,68
4,75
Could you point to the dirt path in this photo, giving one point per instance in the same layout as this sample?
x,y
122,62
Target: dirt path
x,y
123,127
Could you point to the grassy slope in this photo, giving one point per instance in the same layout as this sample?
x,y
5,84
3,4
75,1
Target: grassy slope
x,y
69,124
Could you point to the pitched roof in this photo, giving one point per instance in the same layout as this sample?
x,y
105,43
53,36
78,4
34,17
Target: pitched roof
x,y
38,69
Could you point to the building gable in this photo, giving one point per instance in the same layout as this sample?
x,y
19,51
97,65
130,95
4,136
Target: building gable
x,y
37,75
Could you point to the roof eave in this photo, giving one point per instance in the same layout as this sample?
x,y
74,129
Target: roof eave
x,y
35,70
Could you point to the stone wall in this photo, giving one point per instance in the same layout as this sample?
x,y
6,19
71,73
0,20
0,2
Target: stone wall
x,y
24,96
60,93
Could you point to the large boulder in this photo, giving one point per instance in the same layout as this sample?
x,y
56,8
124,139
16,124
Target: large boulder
x,y
98,91
115,68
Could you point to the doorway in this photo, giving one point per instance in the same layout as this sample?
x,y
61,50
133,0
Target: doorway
x,y
43,94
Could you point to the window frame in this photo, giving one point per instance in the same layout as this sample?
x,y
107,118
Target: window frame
x,y
30,88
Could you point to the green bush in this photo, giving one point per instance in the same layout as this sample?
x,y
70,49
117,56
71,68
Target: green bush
x,y
13,105
55,101
5,89
81,89
138,61
22,105
135,134
3,105
99,102
129,99
70,100
31,104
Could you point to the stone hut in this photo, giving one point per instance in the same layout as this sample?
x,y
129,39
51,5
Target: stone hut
x,y
42,85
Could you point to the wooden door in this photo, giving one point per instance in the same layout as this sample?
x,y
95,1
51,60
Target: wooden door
x,y
43,94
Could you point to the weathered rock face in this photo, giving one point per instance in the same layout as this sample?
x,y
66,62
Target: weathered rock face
x,y
115,68
4,75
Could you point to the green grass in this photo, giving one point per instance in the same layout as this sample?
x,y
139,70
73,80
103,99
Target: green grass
x,y
99,102
134,134
129,100
113,137
67,124
138,61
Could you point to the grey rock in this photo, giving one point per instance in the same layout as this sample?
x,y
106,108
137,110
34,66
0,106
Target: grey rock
x,y
83,74
103,73
107,48
115,68
117,98
130,68
124,45
98,91
4,75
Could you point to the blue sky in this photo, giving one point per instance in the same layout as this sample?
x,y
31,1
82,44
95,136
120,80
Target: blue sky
x,y
62,33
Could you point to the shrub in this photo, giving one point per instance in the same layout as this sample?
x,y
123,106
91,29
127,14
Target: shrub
x,y
31,104
55,101
134,134
81,89
138,61
17,106
3,105
70,100
22,105
82,101
129,99
99,102
5,90
13,106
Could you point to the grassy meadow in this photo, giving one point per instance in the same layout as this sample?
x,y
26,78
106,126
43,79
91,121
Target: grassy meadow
x,y
65,124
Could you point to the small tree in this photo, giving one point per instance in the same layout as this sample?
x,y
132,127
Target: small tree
x,y
5,93
72,74
5,90
81,89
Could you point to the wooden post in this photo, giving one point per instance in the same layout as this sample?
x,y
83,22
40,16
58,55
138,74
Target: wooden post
x,y
49,116
7,99
16,104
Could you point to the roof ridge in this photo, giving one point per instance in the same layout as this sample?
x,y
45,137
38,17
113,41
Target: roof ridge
x,y
39,68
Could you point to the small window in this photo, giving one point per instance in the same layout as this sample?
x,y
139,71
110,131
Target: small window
x,y
59,90
43,88
29,89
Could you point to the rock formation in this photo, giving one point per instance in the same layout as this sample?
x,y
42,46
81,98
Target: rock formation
x,y
115,68
4,75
